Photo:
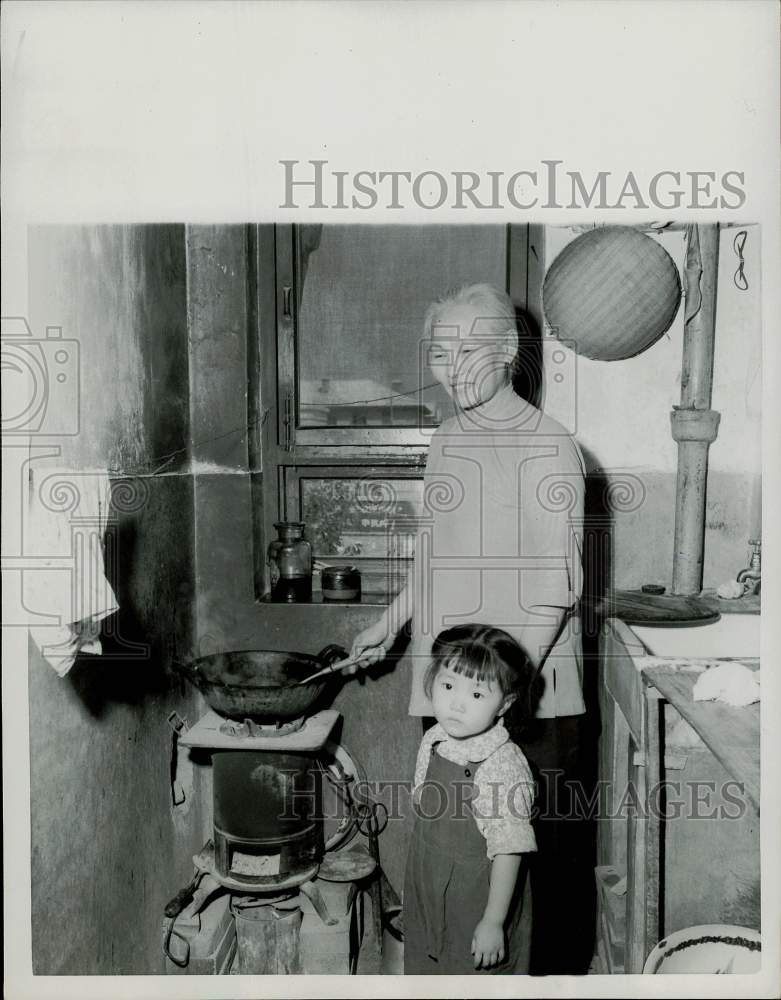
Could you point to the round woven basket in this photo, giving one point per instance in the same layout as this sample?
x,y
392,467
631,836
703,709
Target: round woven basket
x,y
611,293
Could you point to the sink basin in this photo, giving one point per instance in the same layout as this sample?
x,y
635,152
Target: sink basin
x,y
732,635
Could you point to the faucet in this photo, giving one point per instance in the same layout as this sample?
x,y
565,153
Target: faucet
x,y
751,577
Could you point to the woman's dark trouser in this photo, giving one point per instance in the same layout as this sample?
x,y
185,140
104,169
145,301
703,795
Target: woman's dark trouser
x,y
562,873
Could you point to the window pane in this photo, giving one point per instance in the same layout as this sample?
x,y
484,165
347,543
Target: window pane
x,y
360,321
369,523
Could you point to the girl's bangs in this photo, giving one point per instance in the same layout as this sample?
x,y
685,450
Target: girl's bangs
x,y
463,661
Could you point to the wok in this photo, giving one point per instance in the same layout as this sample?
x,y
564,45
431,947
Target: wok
x,y
261,684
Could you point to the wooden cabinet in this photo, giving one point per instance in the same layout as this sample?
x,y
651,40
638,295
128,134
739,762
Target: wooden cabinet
x,y
680,783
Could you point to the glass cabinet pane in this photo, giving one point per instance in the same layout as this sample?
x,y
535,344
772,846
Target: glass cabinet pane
x,y
369,523
363,293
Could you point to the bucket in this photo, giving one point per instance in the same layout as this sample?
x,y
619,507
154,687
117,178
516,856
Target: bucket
x,y
707,948
267,940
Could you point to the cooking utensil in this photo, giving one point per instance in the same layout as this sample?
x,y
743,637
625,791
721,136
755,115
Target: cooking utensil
x,y
339,665
262,684
332,668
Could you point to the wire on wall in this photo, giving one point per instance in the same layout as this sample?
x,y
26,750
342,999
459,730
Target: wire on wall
x,y
738,245
157,465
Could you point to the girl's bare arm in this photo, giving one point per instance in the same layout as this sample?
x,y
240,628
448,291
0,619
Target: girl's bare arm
x,y
488,944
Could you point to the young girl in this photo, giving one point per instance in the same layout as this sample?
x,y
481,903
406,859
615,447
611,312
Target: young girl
x,y
466,895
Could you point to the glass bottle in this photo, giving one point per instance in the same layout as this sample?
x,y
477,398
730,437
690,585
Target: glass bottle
x,y
290,563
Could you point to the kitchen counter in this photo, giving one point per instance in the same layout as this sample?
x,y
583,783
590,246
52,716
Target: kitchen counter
x,y
689,821
730,733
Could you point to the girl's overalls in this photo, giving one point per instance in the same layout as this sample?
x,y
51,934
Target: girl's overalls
x,y
447,881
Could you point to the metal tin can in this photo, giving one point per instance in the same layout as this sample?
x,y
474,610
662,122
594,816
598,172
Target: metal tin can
x,y
341,583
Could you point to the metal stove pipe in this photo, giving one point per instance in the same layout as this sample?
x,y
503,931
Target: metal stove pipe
x,y
694,424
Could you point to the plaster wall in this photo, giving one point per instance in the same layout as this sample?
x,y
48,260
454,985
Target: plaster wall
x,y
108,847
621,417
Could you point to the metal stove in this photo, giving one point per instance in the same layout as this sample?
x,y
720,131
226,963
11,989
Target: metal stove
x,y
267,798
269,842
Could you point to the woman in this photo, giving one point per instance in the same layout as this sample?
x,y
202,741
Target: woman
x,y
499,541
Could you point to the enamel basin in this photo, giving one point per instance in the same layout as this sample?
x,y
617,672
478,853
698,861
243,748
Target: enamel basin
x,y
732,635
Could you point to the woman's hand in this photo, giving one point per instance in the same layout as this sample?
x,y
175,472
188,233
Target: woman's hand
x,y
370,645
488,944
373,643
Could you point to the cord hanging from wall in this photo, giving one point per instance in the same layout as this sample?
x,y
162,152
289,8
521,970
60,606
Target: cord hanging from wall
x,y
738,245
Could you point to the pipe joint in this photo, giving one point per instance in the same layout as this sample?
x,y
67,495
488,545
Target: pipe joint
x,y
694,425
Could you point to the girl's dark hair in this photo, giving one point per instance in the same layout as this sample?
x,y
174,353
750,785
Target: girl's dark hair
x,y
486,653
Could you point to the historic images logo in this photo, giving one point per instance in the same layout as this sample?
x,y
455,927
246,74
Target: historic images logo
x,y
40,381
547,186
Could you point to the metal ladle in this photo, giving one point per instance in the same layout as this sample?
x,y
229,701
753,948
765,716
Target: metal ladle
x,y
336,667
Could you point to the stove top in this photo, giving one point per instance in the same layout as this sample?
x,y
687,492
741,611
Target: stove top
x,y
232,727
213,731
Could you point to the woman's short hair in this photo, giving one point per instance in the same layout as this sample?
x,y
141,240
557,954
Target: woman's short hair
x,y
495,316
495,309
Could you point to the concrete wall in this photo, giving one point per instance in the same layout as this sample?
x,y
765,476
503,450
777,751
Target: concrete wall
x,y
621,418
108,848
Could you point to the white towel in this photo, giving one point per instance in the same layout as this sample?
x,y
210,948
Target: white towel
x,y
731,682
66,593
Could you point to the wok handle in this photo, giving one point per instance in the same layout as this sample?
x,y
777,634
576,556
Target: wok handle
x,y
332,654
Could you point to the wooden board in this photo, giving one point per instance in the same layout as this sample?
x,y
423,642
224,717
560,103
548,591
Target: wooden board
x,y
636,608
730,733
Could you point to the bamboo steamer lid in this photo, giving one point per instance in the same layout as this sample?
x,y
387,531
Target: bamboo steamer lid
x,y
611,293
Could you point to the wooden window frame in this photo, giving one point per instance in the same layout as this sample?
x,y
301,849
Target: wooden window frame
x,y
279,451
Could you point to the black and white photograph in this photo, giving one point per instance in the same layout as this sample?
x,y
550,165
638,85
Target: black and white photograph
x,y
383,526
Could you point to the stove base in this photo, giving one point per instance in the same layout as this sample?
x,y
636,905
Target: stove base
x,y
267,941
330,950
344,948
